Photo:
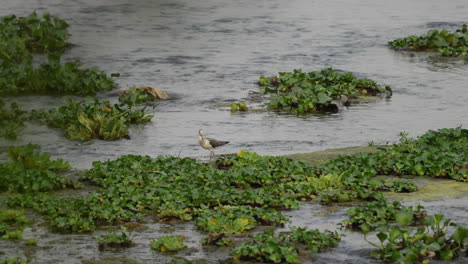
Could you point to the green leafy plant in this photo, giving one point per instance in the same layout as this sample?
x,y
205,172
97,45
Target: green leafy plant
x,y
371,215
13,235
92,118
31,171
237,219
14,260
239,107
321,91
438,153
21,38
220,240
441,41
168,243
11,120
401,244
12,223
269,247
31,242
245,191
115,240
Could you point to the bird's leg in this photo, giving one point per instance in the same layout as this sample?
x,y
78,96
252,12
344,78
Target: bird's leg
x,y
212,153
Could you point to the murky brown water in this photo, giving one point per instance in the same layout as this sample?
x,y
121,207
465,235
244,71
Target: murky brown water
x,y
210,52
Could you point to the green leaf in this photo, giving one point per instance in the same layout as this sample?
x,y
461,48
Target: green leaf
x,y
382,237
461,235
323,98
404,218
434,246
446,254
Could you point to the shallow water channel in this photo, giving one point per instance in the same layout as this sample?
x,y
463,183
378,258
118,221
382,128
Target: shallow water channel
x,y
207,54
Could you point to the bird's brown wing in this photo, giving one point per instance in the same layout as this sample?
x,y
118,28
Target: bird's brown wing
x,y
216,143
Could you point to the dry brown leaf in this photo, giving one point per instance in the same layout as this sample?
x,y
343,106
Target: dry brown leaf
x,y
156,92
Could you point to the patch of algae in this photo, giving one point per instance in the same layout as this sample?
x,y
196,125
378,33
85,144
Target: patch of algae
x,y
432,189
320,157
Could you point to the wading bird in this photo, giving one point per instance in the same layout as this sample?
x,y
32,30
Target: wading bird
x,y
209,143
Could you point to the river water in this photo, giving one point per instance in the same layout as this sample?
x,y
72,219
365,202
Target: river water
x,y
209,53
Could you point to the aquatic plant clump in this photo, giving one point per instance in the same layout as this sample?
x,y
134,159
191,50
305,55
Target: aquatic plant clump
x,y
440,153
321,91
41,35
168,243
15,260
31,171
239,107
444,42
12,223
93,119
11,120
372,215
250,190
168,187
268,247
115,240
399,243
21,38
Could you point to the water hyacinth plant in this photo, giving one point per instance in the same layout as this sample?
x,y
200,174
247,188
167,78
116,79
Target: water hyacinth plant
x,y
239,107
30,171
372,215
248,190
168,243
115,240
398,243
442,41
92,118
15,260
321,91
21,38
12,223
268,247
12,120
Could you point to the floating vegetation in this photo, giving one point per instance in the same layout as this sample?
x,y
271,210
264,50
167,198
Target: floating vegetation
x,y
237,219
12,223
398,243
239,107
115,240
248,190
139,95
14,260
11,120
30,171
92,118
268,247
31,242
444,42
168,243
371,215
21,38
440,153
322,91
